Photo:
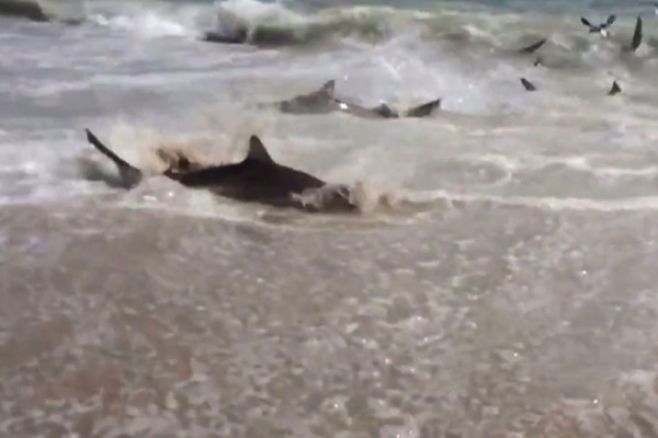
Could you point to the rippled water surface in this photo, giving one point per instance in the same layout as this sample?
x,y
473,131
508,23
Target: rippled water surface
x,y
499,280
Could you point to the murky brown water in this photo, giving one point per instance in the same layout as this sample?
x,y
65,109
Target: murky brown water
x,y
119,322
506,288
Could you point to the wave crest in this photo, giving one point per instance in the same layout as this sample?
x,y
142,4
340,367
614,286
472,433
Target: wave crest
x,y
273,24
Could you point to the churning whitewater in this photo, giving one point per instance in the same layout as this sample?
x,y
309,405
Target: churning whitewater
x,y
494,276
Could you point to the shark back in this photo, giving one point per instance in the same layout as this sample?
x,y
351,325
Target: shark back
x,y
257,179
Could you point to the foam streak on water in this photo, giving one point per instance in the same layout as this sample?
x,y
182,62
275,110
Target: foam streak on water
x,y
498,282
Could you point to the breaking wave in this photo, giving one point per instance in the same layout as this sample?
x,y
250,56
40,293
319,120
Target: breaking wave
x,y
274,24
474,33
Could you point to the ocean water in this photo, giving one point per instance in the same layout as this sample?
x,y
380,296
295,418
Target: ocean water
x,y
498,281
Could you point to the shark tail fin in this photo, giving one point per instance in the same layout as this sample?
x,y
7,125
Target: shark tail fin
x,y
130,175
424,110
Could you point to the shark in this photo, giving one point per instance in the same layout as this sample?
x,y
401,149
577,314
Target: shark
x,y
324,101
258,178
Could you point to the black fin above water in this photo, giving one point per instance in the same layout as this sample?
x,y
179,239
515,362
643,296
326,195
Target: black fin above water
x,y
611,19
91,138
130,175
424,110
529,86
329,87
637,34
616,89
257,151
532,48
600,27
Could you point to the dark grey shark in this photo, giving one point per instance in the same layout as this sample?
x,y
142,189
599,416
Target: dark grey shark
x,y
258,178
325,101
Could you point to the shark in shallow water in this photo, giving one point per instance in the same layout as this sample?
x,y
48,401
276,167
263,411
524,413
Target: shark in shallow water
x,y
324,101
257,178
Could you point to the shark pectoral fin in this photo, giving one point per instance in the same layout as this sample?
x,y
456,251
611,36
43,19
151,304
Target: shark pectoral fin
x,y
424,110
130,175
257,151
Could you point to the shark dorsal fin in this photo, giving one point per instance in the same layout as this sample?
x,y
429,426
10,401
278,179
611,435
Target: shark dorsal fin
x,y
616,89
329,87
637,34
257,151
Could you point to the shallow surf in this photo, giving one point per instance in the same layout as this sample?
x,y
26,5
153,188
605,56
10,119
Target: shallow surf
x,y
498,282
